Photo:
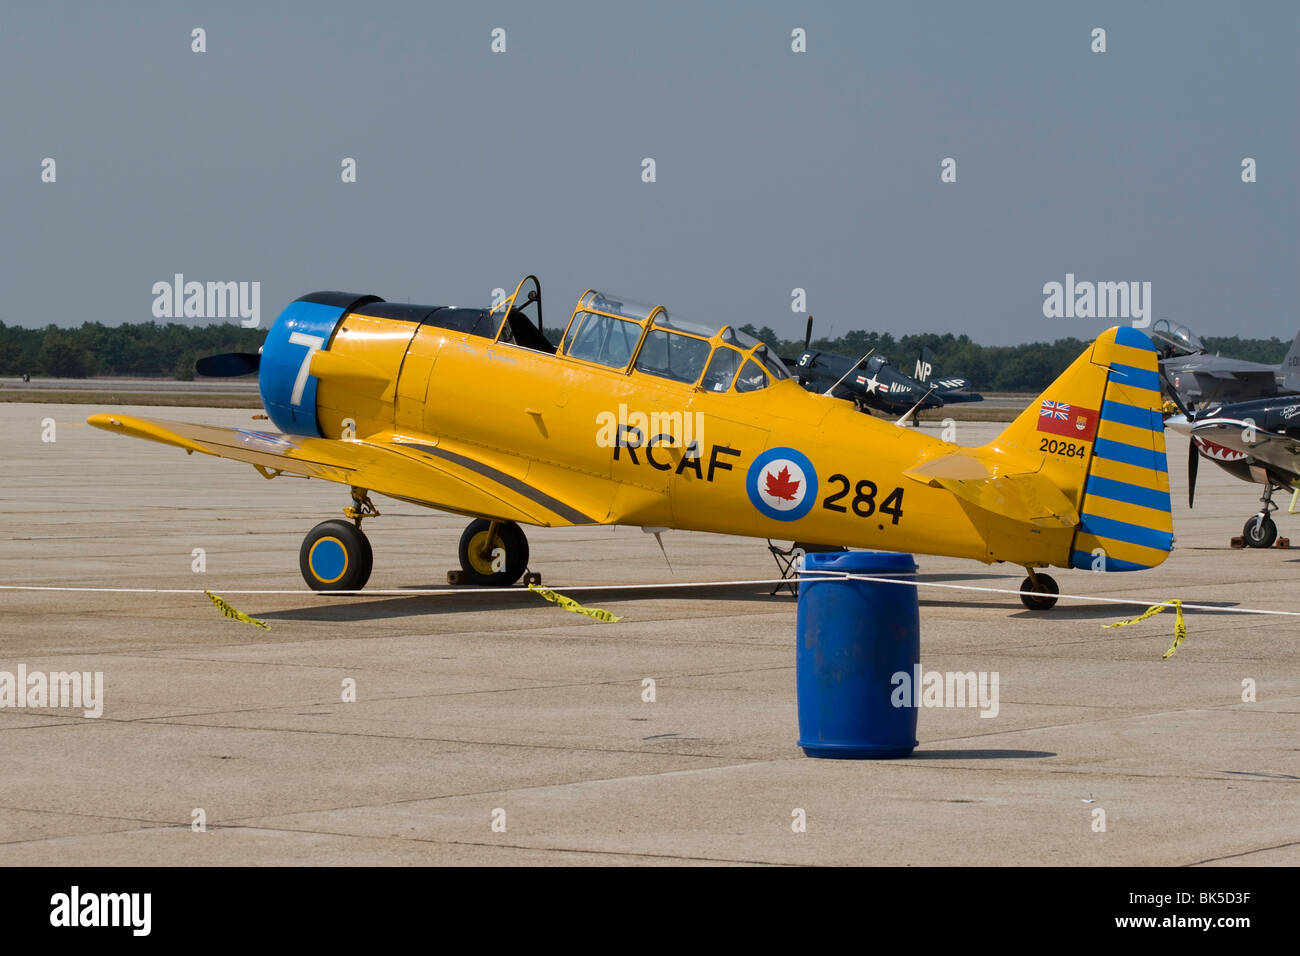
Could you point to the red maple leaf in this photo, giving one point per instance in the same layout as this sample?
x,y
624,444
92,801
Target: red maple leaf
x,y
780,485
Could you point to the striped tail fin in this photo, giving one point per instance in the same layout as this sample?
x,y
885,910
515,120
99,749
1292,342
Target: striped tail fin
x,y
1097,435
1125,519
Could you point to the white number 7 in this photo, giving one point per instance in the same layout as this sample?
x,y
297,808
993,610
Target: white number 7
x,y
313,343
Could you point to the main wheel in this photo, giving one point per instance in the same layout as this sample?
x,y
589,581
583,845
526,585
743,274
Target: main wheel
x,y
498,559
1045,591
1260,532
335,556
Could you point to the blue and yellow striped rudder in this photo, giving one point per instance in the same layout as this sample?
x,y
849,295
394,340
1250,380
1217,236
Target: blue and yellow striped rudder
x,y
1097,435
1125,510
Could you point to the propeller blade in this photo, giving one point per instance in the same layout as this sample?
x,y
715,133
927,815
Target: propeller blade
x,y
1193,460
807,335
229,364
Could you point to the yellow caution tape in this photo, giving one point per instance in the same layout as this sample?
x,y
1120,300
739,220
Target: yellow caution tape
x,y
230,612
1180,625
569,604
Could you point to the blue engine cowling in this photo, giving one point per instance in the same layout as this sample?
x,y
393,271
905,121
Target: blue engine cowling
x,y
305,326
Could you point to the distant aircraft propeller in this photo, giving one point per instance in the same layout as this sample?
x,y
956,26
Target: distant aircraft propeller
x,y
229,364
807,335
1193,456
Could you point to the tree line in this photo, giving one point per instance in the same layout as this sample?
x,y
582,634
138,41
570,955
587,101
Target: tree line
x,y
156,350
1029,367
144,349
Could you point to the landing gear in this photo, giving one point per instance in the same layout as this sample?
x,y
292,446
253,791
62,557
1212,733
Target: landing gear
x,y
493,553
1260,531
336,555
1044,588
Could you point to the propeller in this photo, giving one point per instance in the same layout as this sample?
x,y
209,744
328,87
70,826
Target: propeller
x,y
1193,455
804,371
229,364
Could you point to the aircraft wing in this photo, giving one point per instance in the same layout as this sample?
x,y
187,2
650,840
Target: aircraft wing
x,y
1031,498
1237,374
1268,448
429,472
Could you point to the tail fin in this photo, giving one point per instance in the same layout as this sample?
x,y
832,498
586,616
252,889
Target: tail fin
x,y
1098,435
924,370
1289,371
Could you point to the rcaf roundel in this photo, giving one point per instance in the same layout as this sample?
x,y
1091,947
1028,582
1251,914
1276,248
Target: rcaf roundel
x,y
782,484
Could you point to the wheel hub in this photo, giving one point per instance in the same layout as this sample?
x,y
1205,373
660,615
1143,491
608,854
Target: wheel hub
x,y
481,547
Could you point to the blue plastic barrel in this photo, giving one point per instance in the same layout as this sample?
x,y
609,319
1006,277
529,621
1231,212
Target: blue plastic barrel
x,y
854,636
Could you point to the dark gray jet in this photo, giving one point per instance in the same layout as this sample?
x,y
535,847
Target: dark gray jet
x,y
1201,379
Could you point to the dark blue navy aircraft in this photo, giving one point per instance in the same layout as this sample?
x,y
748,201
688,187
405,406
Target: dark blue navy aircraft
x,y
1257,441
874,382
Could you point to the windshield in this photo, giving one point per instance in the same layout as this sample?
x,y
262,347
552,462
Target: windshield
x,y
606,330
751,378
722,369
602,339
673,355
775,367
1189,338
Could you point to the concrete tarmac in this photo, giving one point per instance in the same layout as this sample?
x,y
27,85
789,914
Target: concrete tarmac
x,y
490,707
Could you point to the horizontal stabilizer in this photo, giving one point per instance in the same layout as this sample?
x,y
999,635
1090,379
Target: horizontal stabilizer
x,y
960,466
1031,498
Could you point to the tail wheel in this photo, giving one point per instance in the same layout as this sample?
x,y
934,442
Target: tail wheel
x,y
1045,592
1260,532
335,556
493,552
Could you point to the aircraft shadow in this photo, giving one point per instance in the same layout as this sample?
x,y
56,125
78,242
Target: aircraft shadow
x,y
362,609
939,577
978,754
1116,612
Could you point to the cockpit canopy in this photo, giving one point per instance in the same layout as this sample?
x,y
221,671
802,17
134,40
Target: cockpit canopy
x,y
1176,340
615,332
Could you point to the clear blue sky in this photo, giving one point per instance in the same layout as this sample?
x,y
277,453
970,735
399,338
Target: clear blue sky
x,y
775,169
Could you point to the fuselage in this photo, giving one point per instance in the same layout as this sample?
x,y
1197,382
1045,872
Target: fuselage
x,y
627,447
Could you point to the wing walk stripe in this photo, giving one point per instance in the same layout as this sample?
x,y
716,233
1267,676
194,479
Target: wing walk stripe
x,y
500,477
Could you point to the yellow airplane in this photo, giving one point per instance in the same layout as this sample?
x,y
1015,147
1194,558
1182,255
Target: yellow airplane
x,y
641,418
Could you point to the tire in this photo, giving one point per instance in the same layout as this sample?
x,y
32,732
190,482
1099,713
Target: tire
x,y
335,556
1262,535
478,566
1044,596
